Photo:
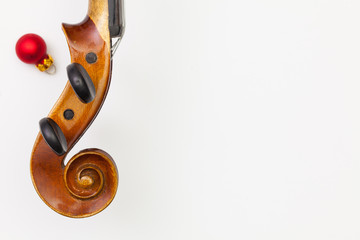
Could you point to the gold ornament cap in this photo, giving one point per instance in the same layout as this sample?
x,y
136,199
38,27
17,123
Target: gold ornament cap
x,y
47,65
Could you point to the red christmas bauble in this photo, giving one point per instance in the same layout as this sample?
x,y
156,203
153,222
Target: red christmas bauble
x,y
31,48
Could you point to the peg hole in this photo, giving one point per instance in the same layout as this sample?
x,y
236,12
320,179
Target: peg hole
x,y
69,114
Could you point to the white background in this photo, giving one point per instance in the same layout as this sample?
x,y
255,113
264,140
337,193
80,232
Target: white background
x,y
227,120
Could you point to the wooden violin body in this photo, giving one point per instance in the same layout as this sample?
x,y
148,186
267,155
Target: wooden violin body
x,y
88,183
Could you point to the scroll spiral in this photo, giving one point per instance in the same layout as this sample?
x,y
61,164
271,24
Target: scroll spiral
x,y
87,172
88,183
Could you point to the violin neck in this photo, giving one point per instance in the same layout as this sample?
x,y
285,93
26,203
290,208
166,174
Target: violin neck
x,y
108,14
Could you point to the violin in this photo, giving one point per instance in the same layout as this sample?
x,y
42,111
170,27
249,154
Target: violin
x,y
88,182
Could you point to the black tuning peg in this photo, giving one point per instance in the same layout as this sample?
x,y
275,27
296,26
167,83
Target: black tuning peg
x,y
53,136
81,82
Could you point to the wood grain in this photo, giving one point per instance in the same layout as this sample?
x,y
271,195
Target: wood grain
x,y
89,182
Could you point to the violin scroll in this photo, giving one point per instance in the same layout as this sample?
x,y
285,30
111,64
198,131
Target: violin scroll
x,y
89,181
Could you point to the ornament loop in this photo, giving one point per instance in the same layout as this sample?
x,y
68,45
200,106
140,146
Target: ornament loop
x,y
51,70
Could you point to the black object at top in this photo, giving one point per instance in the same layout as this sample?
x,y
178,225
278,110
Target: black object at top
x,y
116,20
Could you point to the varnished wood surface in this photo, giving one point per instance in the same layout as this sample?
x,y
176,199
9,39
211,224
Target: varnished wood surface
x,y
89,181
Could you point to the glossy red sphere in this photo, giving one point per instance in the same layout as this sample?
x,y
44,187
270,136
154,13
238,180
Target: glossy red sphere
x,y
31,48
